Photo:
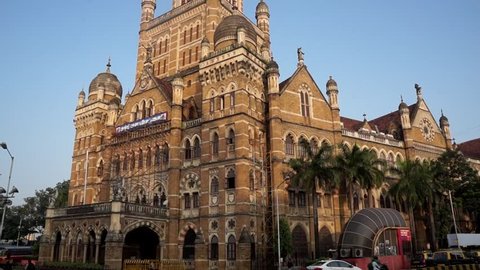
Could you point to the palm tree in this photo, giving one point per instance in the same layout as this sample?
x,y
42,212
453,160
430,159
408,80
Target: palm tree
x,y
358,167
414,185
314,168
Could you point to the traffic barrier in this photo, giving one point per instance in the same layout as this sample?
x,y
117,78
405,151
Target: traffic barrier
x,y
454,267
136,264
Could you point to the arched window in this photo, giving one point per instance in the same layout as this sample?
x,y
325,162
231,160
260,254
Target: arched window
x,y
232,100
231,141
144,109
365,201
116,165
231,179
149,109
196,148
214,185
132,163
305,104
314,146
231,248
100,169
140,159
125,162
215,144
212,105
289,146
189,245
221,101
188,150
136,113
166,155
158,156
214,248
302,150
149,157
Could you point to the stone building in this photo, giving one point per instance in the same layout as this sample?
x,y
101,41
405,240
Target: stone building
x,y
186,165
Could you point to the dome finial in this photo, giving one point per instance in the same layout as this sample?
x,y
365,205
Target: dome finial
x,y
441,110
109,65
401,98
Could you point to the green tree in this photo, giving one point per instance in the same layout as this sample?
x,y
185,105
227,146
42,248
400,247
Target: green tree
x,y
414,185
286,246
453,173
358,167
314,169
32,212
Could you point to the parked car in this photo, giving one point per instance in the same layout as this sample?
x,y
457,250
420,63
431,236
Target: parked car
x,y
448,257
332,265
420,259
474,255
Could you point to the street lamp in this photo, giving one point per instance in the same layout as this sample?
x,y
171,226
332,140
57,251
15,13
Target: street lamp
x,y
7,192
278,225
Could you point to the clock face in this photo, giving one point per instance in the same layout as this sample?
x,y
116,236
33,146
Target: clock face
x,y
426,128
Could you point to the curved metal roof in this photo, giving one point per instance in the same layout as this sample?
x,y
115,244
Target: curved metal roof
x,y
362,228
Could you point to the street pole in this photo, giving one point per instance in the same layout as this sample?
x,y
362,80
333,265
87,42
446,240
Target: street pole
x,y
4,146
19,227
278,232
453,216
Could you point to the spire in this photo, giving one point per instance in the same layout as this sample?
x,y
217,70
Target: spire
x,y
108,65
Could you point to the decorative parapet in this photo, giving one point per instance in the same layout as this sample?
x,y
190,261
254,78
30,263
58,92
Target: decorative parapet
x,y
174,13
140,133
106,208
373,137
192,123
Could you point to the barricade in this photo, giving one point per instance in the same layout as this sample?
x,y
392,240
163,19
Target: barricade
x,y
454,267
134,264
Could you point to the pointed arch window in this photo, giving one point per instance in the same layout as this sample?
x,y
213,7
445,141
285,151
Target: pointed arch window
x,y
232,100
231,179
314,146
214,248
231,248
144,109
214,185
158,156
196,148
165,155
302,150
215,144
289,145
305,103
116,165
188,150
231,141
149,158
132,163
125,162
140,159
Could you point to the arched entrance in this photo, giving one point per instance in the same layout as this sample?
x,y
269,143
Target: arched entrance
x,y
56,248
189,245
326,241
101,253
91,247
299,241
141,243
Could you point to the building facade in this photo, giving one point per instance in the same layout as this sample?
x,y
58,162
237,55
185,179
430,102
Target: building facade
x,y
187,165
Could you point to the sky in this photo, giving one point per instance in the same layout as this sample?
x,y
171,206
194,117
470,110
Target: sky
x,y
376,50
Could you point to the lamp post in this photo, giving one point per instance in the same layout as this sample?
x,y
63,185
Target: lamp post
x,y
13,191
278,225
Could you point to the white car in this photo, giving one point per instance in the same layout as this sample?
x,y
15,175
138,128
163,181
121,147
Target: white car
x,y
332,265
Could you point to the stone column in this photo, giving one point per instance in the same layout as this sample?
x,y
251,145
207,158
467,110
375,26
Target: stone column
x,y
97,249
114,251
85,247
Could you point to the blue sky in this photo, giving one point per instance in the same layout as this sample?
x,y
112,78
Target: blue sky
x,y
376,50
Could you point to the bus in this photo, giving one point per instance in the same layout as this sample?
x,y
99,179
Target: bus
x,y
15,254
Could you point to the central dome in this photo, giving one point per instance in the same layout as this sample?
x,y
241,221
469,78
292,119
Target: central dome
x,y
107,80
227,29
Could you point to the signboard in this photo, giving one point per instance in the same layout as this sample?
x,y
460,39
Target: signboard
x,y
155,119
404,235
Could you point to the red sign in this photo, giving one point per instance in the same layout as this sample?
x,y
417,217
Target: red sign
x,y
404,235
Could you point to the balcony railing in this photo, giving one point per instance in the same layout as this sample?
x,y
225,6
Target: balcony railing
x,y
106,208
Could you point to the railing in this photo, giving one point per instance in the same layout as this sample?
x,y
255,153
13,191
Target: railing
x,y
103,208
142,132
99,208
137,209
373,137
192,123
154,265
